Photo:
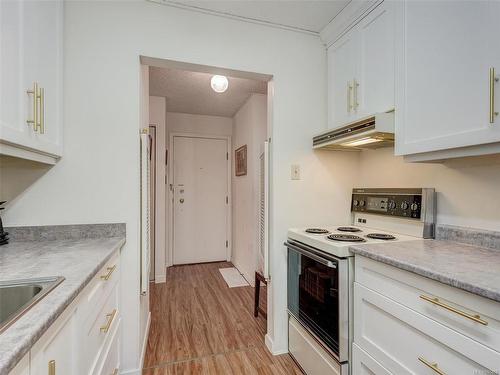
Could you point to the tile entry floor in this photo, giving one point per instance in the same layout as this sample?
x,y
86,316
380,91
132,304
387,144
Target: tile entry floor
x,y
200,326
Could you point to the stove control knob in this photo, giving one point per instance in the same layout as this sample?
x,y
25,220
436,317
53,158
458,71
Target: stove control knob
x,y
414,206
392,205
405,205
361,203
355,203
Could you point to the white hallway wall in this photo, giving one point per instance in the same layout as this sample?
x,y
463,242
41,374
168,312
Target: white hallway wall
x,y
249,128
157,116
193,124
98,178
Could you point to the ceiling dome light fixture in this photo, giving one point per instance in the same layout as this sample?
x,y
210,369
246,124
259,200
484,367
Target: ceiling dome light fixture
x,y
219,83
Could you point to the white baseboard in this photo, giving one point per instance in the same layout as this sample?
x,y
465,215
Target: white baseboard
x,y
160,279
270,346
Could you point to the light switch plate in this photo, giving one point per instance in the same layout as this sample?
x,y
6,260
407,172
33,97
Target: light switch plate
x,y
295,172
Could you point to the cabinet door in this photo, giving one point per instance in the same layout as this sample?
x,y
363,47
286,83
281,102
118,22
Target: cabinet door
x,y
446,50
57,346
341,69
42,47
13,127
375,74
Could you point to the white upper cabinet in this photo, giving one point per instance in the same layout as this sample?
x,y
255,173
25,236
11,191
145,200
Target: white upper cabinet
x,y
31,54
444,92
341,71
376,61
361,67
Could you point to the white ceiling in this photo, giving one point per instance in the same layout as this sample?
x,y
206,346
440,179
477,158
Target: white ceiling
x,y
302,15
190,92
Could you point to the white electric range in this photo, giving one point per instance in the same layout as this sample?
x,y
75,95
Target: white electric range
x,y
321,270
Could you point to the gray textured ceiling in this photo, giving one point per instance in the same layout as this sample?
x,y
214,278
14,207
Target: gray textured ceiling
x,y
190,92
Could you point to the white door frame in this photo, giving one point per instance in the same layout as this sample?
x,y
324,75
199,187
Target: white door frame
x,y
171,195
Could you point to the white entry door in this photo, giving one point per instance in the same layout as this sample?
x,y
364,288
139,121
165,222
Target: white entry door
x,y
200,199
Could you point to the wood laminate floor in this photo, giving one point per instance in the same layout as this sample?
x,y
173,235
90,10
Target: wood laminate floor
x,y
200,326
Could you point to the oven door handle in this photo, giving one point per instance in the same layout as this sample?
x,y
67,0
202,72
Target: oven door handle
x,y
313,256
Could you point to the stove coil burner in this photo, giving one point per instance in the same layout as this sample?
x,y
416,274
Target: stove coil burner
x,y
345,238
317,231
348,229
381,236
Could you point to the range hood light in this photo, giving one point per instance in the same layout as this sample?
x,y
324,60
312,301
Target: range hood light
x,y
362,141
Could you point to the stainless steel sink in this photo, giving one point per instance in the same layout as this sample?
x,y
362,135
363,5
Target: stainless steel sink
x,y
18,296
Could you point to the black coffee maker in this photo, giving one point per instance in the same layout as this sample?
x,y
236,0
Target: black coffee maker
x,y
4,239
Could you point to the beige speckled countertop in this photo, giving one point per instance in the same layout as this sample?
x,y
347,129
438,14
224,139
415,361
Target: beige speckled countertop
x,y
471,268
78,260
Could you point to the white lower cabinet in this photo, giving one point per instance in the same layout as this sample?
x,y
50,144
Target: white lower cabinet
x,y
85,338
364,364
394,335
23,367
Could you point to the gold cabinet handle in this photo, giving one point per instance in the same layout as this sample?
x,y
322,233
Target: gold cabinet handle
x,y
52,367
110,317
493,80
34,93
355,94
41,110
115,372
436,301
108,275
349,94
433,366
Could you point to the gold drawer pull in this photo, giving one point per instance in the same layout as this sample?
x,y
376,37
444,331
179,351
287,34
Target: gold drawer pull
x,y
41,112
109,317
433,366
436,301
355,94
108,275
349,95
34,92
115,372
493,80
52,367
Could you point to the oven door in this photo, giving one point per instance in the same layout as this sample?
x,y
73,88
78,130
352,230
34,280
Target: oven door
x,y
317,296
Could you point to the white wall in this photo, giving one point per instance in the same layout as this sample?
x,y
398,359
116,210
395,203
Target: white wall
x,y
467,189
157,116
98,178
249,128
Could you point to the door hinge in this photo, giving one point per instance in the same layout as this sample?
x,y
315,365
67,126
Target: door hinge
x,y
227,155
227,243
227,199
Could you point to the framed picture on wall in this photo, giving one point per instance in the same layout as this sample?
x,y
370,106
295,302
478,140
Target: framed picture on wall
x,y
241,161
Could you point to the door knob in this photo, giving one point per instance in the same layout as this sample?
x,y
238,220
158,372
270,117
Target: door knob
x,y
181,200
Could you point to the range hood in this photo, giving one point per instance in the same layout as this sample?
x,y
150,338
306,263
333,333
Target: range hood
x,y
367,133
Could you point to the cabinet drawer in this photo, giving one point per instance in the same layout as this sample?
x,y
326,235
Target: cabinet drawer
x,y
406,342
417,293
110,364
102,283
97,329
364,364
